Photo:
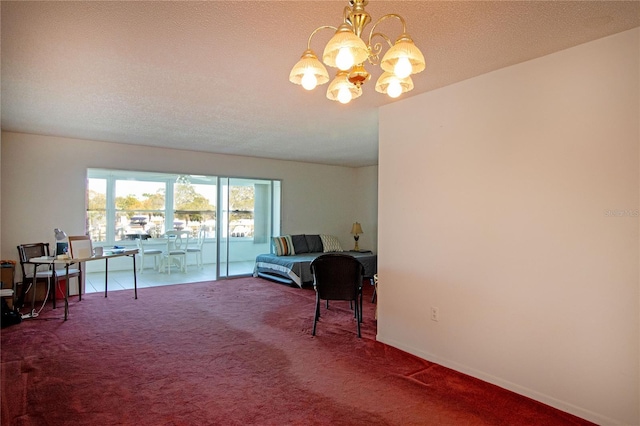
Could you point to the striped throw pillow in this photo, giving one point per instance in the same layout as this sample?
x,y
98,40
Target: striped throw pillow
x,y
330,243
283,245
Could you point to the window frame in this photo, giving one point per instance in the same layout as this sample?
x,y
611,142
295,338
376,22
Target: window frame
x,y
169,180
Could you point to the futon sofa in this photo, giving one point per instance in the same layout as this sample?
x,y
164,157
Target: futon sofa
x,y
292,255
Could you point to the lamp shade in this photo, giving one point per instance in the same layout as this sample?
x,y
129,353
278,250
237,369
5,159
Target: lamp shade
x,y
356,229
309,71
389,82
345,49
342,90
60,234
403,52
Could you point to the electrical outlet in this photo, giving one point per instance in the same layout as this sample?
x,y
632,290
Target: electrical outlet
x,y
435,314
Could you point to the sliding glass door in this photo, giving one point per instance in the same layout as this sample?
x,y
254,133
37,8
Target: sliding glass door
x,y
247,223
238,215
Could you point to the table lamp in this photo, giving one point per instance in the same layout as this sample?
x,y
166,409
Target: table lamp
x,y
356,229
61,244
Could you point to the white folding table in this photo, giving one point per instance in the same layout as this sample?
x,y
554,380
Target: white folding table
x,y
53,261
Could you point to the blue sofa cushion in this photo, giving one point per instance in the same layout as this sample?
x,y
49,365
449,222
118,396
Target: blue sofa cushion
x,y
300,244
314,243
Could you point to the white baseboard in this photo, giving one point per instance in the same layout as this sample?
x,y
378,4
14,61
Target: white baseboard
x,y
513,387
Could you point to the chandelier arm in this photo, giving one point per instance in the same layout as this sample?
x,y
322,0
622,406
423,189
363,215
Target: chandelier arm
x,y
346,12
376,48
323,27
383,18
384,36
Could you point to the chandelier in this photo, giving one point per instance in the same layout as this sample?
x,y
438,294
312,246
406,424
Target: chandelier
x,y
348,52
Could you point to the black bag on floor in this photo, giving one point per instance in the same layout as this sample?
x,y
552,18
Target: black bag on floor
x,y
9,316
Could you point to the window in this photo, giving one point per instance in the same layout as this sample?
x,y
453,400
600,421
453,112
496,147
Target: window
x,y
129,205
194,206
97,208
139,208
238,215
126,205
241,208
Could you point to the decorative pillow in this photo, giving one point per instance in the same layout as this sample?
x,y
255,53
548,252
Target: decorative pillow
x,y
300,244
314,243
283,245
330,243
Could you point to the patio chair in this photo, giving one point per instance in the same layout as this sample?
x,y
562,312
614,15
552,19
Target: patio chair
x,y
149,248
197,247
176,253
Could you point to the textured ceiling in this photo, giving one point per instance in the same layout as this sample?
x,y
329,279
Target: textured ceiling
x,y
213,76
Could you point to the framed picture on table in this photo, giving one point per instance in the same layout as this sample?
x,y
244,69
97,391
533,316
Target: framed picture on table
x,y
80,247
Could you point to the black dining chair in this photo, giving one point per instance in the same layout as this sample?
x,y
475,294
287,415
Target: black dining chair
x,y
337,276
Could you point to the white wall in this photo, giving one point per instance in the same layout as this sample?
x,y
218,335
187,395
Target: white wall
x,y
0,187
493,206
43,185
367,208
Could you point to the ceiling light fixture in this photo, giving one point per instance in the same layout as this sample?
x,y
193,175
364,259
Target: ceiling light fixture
x,y
183,180
347,51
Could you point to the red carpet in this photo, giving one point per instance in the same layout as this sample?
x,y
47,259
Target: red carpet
x,y
233,352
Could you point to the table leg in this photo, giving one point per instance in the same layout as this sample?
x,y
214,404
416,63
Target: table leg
x,y
66,294
53,278
106,273
135,279
81,279
33,289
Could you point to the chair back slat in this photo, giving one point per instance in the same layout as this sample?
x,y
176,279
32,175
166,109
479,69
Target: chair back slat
x,y
177,240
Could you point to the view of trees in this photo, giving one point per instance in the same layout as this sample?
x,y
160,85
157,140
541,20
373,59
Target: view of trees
x,y
186,198
241,198
189,206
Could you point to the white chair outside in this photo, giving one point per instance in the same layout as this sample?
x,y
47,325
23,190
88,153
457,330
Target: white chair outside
x,y
176,253
150,248
196,249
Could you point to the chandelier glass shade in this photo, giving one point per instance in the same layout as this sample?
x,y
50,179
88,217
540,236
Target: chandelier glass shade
x,y
342,90
404,58
345,49
309,71
392,85
348,51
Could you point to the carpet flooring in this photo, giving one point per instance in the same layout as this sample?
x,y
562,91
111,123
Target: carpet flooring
x,y
233,352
